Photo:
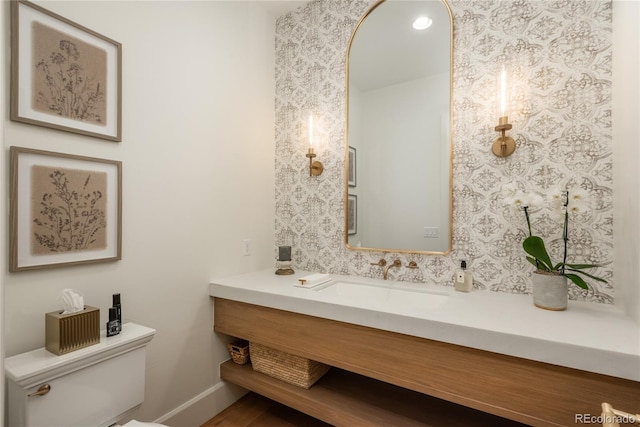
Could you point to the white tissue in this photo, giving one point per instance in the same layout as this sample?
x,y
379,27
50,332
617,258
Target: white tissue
x,y
72,302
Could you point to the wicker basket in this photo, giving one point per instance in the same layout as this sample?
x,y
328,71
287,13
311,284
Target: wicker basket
x,y
239,351
295,370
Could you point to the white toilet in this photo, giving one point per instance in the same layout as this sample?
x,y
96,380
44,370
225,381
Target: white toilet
x,y
99,385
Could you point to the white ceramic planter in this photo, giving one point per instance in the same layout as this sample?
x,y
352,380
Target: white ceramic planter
x,y
549,291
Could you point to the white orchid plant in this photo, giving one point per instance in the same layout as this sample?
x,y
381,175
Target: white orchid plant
x,y
567,202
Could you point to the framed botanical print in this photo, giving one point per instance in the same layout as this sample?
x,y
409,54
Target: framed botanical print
x,y
64,76
352,214
352,167
64,209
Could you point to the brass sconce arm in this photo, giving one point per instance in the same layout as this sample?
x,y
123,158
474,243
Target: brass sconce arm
x,y
504,146
315,167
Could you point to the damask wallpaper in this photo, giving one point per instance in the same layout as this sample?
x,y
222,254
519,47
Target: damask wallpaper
x,y
558,54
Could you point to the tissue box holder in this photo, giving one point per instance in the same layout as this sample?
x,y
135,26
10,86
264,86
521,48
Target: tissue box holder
x,y
286,367
68,332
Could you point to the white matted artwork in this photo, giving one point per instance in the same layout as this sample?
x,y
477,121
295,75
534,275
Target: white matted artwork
x,y
64,76
352,214
352,167
65,209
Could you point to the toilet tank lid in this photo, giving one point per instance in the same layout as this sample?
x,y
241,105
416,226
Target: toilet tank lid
x,y
37,366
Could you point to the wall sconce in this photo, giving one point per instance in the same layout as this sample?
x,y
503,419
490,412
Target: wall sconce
x,y
315,167
504,146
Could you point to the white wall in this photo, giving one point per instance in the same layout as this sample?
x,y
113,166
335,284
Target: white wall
x,y
626,151
403,134
356,141
195,75
198,155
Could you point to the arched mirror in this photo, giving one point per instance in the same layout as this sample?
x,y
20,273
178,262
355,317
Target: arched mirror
x,y
398,171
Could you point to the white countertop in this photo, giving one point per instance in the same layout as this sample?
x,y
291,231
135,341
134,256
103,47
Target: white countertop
x,y
593,337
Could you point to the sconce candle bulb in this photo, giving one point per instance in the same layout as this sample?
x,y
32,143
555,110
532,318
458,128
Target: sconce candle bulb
x,y
503,92
315,167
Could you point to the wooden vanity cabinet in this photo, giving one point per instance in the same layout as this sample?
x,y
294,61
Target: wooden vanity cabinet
x,y
518,389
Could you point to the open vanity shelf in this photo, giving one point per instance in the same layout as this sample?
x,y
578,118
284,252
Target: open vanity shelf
x,y
522,390
343,398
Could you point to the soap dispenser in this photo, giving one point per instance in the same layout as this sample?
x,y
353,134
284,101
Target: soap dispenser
x,y
464,279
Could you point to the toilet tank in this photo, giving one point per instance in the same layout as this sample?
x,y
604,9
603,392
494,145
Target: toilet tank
x,y
93,386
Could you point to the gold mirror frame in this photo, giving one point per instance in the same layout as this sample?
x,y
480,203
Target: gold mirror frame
x,y
346,148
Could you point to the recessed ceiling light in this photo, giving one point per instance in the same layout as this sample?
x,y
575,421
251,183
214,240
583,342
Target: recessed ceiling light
x,y
422,23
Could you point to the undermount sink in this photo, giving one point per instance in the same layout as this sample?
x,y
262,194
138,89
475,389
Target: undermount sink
x,y
384,296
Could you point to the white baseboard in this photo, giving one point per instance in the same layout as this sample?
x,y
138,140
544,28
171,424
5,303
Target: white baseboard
x,y
204,406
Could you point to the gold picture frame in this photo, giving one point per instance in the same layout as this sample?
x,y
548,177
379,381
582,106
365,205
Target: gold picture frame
x,y
64,210
64,76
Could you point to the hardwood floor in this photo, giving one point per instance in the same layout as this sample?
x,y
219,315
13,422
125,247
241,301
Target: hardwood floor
x,y
254,410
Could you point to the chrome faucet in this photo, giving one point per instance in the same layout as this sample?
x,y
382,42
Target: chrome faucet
x,y
396,263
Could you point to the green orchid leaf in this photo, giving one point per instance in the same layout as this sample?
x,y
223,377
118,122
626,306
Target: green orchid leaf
x,y
588,275
581,266
534,246
579,282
